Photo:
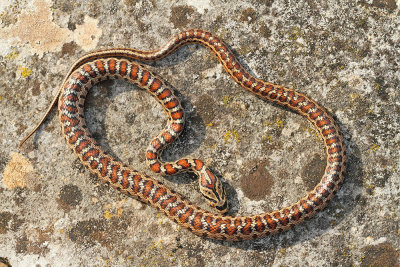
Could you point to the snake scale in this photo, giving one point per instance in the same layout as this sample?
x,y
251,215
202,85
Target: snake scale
x,y
119,63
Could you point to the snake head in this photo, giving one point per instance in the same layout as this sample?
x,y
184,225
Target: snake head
x,y
212,189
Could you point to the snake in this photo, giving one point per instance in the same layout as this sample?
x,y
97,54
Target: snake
x,y
122,63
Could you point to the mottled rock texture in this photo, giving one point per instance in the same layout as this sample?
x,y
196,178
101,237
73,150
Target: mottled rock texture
x,y
344,54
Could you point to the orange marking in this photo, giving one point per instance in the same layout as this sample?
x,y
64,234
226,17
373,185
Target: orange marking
x,y
122,68
270,222
314,199
184,217
111,65
148,185
145,78
171,104
167,137
173,211
156,84
165,203
150,155
94,164
134,72
306,206
306,108
296,213
70,97
82,145
104,162
164,94
315,115
238,75
328,131
176,127
198,164
156,144
322,123
247,228
156,167
125,182
75,137
259,224
184,163
136,180
158,194
177,115
334,149
196,223
69,108
169,169
72,121
91,152
331,140
114,177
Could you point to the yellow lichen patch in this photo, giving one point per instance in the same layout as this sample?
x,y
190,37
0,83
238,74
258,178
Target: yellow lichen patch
x,y
314,133
37,29
88,34
227,100
25,72
117,207
267,138
12,55
279,123
16,171
374,147
209,124
230,136
108,215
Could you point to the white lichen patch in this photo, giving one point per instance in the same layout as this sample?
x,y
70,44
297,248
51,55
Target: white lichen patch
x,y
36,29
200,5
16,172
88,34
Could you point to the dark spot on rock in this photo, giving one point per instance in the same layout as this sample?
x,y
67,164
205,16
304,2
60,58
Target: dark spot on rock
x,y
87,232
265,31
383,255
22,244
66,6
180,15
256,181
36,242
313,171
130,118
36,88
248,15
205,106
381,89
267,3
386,4
21,129
130,3
70,196
69,49
5,218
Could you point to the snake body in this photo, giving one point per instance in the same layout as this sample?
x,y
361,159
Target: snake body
x,y
119,63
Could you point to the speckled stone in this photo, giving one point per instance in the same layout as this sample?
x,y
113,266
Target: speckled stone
x,y
344,54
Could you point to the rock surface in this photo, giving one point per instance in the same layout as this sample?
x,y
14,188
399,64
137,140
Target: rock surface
x,y
345,55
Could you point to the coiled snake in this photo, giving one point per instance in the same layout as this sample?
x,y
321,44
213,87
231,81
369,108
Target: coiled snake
x,y
116,63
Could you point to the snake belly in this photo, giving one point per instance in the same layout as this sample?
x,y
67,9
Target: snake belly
x,y
117,63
